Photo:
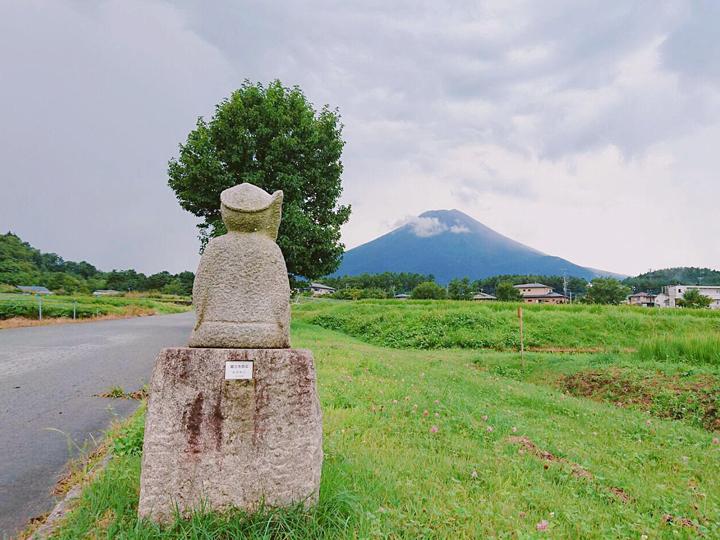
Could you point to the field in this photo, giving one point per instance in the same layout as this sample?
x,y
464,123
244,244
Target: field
x,y
426,441
56,306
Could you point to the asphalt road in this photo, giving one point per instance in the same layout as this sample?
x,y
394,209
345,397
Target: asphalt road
x,y
48,377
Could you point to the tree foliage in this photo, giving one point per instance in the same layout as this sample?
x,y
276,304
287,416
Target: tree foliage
x,y
390,282
694,299
273,138
654,281
358,294
606,291
506,292
428,290
460,289
22,264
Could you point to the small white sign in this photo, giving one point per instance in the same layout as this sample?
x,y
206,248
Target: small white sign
x,y
238,370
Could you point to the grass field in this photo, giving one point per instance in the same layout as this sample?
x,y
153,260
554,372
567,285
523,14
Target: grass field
x,y
453,324
56,306
468,443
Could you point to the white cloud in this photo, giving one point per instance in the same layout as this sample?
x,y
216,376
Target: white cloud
x,y
584,129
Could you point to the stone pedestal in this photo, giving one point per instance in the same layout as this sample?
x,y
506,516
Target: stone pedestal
x,y
230,443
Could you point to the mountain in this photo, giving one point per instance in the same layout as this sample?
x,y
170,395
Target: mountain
x,y
450,244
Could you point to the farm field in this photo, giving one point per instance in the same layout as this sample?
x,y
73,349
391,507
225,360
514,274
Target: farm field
x,y
469,442
433,324
18,309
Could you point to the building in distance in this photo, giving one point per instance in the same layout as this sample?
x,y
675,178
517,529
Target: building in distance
x,y
318,289
483,297
33,289
538,293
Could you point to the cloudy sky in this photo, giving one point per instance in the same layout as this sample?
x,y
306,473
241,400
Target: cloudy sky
x,y
586,129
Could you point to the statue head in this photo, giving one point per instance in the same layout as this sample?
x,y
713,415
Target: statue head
x,y
247,208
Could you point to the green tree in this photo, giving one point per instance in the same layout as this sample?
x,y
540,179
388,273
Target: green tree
x,y
606,291
693,299
428,290
507,292
460,289
273,138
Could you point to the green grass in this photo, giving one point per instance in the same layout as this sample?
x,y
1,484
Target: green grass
x,y
20,305
700,349
388,473
456,324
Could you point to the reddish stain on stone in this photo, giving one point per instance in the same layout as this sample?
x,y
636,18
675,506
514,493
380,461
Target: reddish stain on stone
x,y
216,421
194,424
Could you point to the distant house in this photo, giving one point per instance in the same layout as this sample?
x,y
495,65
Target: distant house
x,y
33,289
106,292
537,293
642,299
483,297
318,289
402,296
672,293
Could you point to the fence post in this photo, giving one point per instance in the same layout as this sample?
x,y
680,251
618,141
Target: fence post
x,y
74,308
39,307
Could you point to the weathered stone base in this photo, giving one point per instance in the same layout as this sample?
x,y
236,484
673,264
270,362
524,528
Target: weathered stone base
x,y
230,443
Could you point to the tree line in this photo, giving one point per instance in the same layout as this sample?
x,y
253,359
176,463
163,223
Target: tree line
x,y
22,264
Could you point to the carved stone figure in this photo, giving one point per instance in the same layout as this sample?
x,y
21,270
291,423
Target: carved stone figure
x,y
217,440
241,292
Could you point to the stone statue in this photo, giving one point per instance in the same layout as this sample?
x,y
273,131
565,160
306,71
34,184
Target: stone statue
x,y
241,292
217,439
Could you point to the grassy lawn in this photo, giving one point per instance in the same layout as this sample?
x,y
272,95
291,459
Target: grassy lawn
x,y
463,443
86,306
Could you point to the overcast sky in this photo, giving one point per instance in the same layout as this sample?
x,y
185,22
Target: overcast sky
x,y
586,129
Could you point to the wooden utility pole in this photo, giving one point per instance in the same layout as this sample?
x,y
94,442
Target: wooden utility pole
x,y
522,340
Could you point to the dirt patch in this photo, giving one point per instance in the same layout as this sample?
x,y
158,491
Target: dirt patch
x,y
21,322
694,398
681,521
577,470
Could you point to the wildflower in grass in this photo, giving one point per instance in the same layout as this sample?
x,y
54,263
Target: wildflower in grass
x,y
648,422
394,401
716,440
437,401
542,525
474,474
484,417
514,429
426,412
434,429
489,429
437,415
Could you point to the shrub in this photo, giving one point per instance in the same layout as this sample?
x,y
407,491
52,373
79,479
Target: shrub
x,y
428,290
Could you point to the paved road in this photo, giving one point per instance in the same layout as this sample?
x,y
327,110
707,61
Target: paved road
x,y
48,376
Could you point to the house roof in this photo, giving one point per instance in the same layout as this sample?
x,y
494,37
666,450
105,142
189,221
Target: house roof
x,y
483,296
321,286
532,286
402,295
637,294
34,289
